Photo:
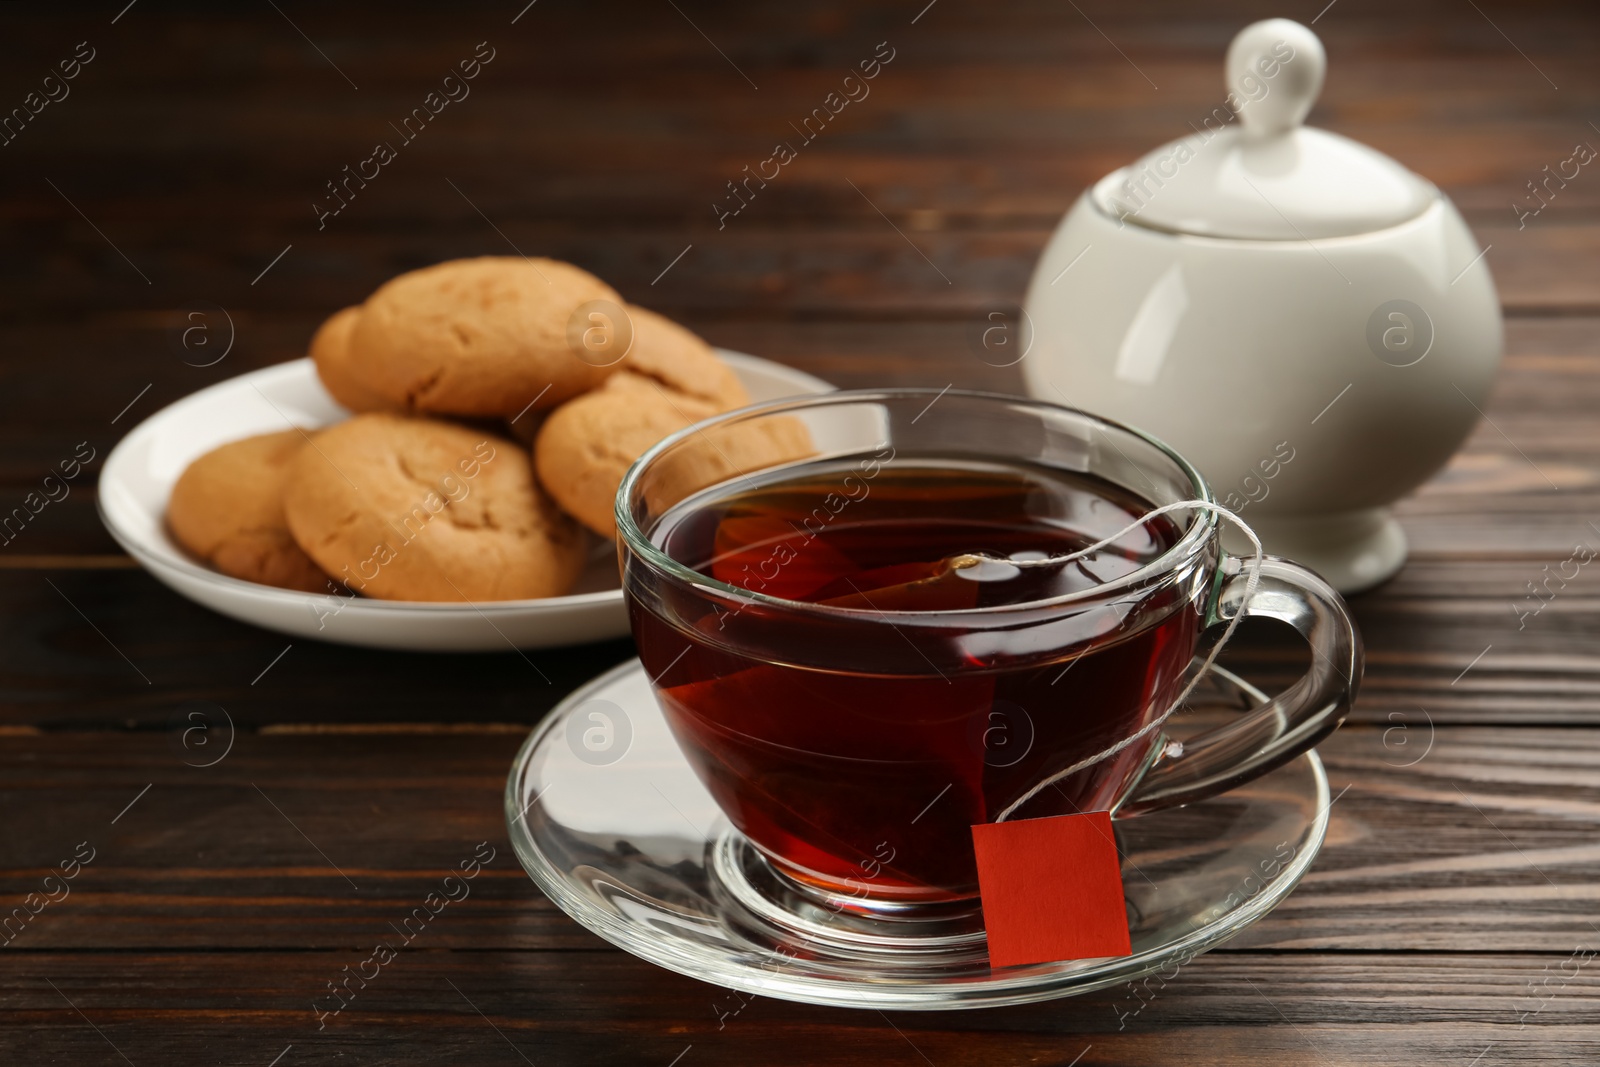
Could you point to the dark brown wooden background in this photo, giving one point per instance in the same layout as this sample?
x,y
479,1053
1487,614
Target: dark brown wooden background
x,y
1446,923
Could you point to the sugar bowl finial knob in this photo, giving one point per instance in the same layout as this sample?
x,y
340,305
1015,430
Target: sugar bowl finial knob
x,y
1274,72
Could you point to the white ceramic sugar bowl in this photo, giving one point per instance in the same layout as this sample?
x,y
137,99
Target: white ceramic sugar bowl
x,y
1304,318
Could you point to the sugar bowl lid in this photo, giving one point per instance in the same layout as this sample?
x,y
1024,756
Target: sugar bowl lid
x,y
1266,177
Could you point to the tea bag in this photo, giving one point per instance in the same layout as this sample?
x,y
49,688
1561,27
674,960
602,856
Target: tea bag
x,y
1251,584
764,551
902,587
970,580
920,586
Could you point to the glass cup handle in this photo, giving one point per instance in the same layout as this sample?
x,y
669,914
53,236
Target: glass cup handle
x,y
1284,726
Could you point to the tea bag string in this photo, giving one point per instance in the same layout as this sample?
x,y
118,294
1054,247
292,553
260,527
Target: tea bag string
x,y
1251,584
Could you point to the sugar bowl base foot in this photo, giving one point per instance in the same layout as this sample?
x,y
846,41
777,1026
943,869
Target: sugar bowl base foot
x,y
1353,550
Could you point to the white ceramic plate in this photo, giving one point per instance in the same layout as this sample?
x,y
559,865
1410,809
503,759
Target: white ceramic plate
x,y
139,474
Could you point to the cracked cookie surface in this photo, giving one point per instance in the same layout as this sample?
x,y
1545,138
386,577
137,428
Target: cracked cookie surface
x,y
227,508
679,361
409,508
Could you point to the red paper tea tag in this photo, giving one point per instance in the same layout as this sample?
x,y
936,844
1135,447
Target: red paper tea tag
x,y
1051,889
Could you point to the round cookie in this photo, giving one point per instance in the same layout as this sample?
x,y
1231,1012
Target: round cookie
x,y
586,446
227,508
406,508
484,336
330,352
669,379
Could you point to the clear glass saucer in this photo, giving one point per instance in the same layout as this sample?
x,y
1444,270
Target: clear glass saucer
x,y
614,827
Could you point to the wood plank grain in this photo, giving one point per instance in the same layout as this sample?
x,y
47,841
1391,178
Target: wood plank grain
x,y
1443,838
932,153
956,94
1422,630
1464,639
1542,401
819,271
97,647
41,527
496,1007
1444,923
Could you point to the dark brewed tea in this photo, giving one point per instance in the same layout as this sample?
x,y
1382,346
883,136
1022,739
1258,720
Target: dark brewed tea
x,y
858,739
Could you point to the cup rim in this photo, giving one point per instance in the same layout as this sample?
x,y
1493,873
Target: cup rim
x,y
1195,537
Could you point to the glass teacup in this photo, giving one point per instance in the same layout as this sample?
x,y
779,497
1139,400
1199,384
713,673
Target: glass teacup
x,y
855,702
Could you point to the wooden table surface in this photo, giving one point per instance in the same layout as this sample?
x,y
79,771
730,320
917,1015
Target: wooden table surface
x,y
1449,921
